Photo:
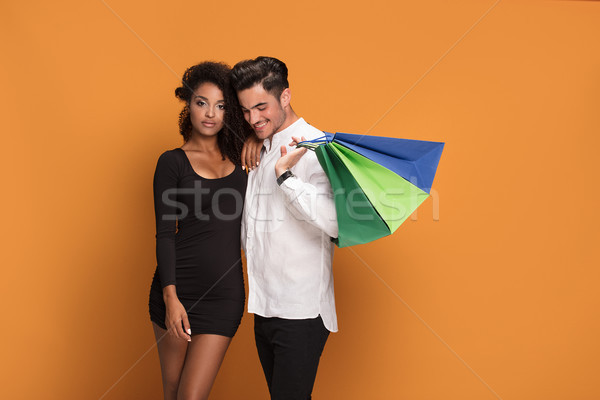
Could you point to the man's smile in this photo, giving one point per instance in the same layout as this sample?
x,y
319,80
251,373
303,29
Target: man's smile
x,y
260,125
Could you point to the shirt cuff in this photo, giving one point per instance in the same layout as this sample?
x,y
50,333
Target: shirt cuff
x,y
292,183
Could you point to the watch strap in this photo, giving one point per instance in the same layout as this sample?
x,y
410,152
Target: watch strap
x,y
284,176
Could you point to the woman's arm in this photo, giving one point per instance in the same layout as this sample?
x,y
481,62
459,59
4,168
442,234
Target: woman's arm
x,y
165,189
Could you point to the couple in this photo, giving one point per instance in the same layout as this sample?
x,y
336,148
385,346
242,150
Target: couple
x,y
200,189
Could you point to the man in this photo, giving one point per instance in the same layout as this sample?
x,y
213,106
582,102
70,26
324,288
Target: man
x,y
288,222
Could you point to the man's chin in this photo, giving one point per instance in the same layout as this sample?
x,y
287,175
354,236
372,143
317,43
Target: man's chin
x,y
262,135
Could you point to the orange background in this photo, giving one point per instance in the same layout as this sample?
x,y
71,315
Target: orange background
x,y
497,298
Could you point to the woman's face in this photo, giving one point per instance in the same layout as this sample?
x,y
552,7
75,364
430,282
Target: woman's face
x,y
207,109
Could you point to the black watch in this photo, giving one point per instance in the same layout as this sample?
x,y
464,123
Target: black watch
x,y
284,176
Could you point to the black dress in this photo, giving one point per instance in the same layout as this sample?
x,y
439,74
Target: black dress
x,y
198,248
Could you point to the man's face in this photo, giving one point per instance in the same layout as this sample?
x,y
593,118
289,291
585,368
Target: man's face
x,y
263,111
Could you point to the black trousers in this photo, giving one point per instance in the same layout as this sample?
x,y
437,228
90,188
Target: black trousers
x,y
289,351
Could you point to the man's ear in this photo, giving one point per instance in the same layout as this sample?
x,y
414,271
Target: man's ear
x,y
285,98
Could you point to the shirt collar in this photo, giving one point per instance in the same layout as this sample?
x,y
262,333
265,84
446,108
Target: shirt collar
x,y
283,137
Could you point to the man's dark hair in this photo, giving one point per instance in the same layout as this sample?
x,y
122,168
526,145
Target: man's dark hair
x,y
270,72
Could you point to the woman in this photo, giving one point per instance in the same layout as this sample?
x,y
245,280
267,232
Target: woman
x,y
197,294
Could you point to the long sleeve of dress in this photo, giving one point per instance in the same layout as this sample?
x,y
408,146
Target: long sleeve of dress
x,y
165,186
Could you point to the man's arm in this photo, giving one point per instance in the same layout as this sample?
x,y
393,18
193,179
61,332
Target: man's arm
x,y
310,198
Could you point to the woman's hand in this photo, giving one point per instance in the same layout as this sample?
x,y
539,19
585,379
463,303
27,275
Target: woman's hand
x,y
251,152
288,160
176,317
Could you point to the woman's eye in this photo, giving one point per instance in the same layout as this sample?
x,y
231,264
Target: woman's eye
x,y
201,103
221,107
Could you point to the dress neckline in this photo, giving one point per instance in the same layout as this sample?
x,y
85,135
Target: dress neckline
x,y
189,163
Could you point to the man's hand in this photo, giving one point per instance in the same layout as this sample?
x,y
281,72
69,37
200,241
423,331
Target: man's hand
x,y
251,152
288,160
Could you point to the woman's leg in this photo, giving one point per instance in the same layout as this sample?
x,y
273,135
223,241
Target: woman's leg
x,y
202,362
171,352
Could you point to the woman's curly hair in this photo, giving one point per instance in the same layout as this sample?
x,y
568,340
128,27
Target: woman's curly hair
x,y
235,128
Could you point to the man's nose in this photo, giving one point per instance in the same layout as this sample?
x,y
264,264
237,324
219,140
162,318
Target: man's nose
x,y
252,116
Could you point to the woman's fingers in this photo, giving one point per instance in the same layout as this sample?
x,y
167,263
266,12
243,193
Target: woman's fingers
x,y
249,150
172,329
176,330
249,155
179,328
186,326
243,156
177,320
254,155
259,147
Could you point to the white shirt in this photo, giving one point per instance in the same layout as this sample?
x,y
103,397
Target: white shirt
x,y
286,235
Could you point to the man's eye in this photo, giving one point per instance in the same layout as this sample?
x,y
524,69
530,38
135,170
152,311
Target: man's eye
x,y
261,109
